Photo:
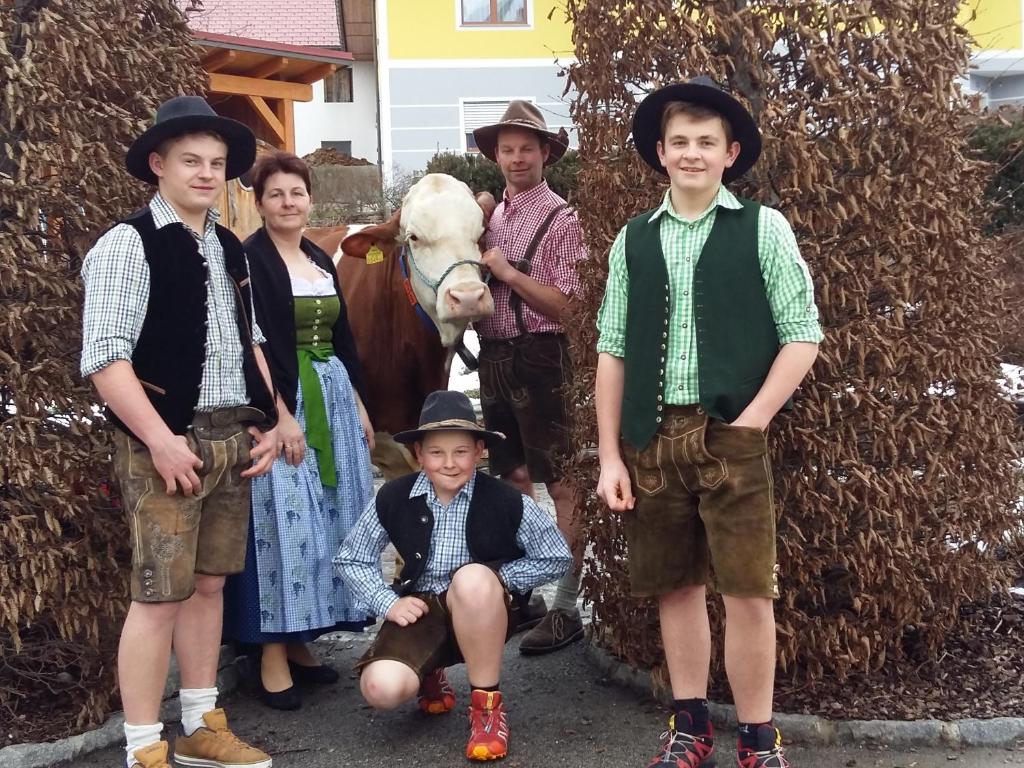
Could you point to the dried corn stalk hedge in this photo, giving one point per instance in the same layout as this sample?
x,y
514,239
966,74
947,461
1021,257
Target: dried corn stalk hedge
x,y
894,472
78,81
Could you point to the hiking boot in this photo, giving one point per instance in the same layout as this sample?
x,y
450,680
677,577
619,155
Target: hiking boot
x,y
151,756
768,753
556,630
436,694
684,750
488,727
214,746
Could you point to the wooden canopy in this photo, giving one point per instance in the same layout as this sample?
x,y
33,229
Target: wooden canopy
x,y
258,82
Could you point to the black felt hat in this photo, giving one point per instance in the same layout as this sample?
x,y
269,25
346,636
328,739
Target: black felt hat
x,y
699,90
447,410
190,114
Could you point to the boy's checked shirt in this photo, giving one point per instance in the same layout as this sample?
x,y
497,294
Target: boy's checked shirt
x,y
547,555
787,284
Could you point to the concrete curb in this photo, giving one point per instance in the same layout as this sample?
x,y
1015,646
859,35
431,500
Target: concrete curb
x,y
49,753
820,731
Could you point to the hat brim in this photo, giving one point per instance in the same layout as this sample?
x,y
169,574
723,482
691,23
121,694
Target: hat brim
x,y
239,137
487,140
647,124
410,436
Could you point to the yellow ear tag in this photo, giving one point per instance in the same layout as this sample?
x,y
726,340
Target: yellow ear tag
x,y
375,255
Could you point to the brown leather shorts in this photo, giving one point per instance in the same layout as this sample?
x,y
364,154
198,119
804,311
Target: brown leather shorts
x,y
522,383
175,537
704,502
429,643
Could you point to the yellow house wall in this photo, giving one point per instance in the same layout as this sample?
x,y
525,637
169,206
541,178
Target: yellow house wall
x,y
429,29
996,24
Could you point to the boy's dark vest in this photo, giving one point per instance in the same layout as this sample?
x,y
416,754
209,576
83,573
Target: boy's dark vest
x,y
736,337
495,512
169,355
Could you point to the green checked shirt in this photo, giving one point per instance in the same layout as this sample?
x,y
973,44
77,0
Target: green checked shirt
x,y
787,282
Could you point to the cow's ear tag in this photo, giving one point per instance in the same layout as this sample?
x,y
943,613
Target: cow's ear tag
x,y
375,255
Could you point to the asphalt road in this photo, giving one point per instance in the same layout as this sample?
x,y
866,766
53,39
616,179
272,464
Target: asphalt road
x,y
561,713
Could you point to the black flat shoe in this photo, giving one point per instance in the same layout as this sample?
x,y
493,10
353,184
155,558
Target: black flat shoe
x,y
288,699
321,674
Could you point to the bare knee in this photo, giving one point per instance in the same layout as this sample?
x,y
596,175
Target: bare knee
x,y
209,586
749,610
153,615
475,586
388,684
683,596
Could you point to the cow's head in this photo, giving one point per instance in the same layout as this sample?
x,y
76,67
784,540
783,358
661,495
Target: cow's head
x,y
440,223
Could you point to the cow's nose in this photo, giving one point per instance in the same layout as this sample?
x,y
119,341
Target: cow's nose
x,y
465,300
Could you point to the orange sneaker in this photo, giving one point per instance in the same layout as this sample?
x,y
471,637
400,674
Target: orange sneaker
x,y
488,726
436,693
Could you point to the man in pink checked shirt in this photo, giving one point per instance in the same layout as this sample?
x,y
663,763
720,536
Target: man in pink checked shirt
x,y
534,242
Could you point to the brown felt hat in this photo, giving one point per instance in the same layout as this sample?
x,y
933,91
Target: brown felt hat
x,y
522,114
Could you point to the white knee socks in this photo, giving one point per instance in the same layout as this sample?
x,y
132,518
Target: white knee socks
x,y
567,592
196,702
139,736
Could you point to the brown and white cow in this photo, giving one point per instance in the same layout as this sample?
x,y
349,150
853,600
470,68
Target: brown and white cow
x,y
440,223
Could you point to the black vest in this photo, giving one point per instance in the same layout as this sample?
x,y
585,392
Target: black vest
x,y
168,357
495,512
737,342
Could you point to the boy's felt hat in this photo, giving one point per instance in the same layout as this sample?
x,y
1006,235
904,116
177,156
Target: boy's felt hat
x,y
448,410
190,114
699,90
522,114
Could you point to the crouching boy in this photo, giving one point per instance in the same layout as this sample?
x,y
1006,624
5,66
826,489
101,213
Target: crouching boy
x,y
473,547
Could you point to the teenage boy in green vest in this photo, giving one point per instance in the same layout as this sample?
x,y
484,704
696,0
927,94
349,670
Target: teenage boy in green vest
x,y
473,548
707,327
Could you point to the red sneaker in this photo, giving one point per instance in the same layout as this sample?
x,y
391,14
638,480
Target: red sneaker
x,y
768,753
684,750
436,693
488,727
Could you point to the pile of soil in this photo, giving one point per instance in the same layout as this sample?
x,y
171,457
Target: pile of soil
x,y
979,673
326,156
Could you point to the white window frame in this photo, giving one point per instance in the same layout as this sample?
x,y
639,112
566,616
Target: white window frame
x,y
464,129
459,26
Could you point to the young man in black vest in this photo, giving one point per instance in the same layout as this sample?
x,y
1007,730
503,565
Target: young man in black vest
x,y
473,548
170,343
707,327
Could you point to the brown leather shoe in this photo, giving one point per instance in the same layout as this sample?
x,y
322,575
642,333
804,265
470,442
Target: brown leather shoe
x,y
217,747
557,630
151,756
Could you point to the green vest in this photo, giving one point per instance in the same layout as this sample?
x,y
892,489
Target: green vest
x,y
736,337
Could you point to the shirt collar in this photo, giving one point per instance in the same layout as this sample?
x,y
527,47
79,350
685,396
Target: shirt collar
x,y
724,198
529,197
423,487
164,214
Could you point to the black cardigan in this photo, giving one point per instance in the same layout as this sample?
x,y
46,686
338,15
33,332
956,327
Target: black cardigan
x,y
275,315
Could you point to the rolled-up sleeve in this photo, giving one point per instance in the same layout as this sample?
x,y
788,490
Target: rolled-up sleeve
x,y
611,317
566,251
787,280
116,279
358,563
547,555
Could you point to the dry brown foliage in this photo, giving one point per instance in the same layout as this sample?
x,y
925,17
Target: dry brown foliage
x,y
78,81
894,473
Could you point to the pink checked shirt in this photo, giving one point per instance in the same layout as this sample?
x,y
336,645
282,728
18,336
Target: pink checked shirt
x,y
512,227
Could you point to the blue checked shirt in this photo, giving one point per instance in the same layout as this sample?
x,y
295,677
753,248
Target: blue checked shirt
x,y
547,555
116,278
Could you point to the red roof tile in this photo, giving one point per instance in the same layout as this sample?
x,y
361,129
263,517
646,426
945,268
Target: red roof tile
x,y
311,22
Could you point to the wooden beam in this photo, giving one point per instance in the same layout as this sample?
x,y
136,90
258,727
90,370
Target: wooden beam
x,y
267,68
286,114
268,89
316,74
268,116
218,60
